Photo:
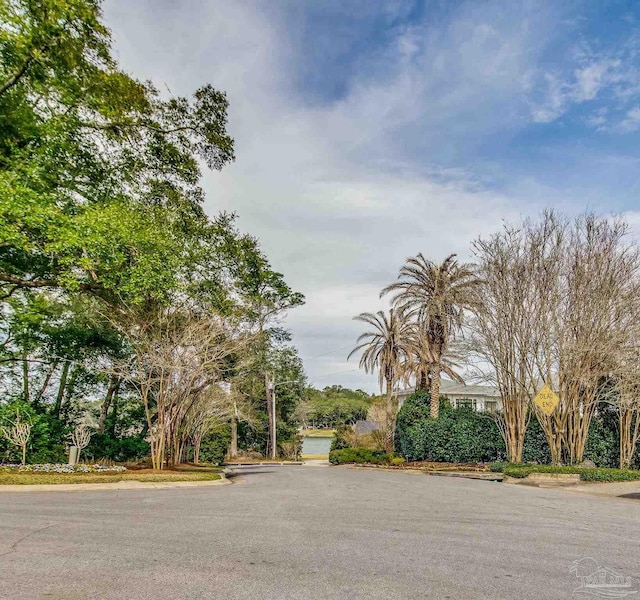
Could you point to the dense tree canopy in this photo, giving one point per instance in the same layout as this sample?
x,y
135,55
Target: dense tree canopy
x,y
103,239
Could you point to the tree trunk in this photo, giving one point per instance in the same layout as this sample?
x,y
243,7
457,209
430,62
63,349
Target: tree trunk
x,y
45,385
25,379
629,422
435,391
69,391
61,388
197,443
423,382
114,412
233,448
391,410
114,382
270,416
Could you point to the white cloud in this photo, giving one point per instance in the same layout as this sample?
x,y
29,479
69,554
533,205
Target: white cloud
x,y
590,79
341,193
631,122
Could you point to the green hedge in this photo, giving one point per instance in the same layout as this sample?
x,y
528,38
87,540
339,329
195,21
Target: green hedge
x,y
586,474
215,444
458,435
363,455
463,435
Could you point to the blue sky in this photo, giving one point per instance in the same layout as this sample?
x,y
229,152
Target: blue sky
x,y
370,131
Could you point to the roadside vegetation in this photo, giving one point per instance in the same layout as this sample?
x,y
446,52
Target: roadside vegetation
x,y
586,474
41,478
552,302
132,324
332,407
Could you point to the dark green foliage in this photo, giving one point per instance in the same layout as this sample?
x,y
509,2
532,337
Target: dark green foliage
x,y
340,440
47,442
360,455
125,431
123,449
461,435
334,406
586,474
458,435
215,444
603,443
536,447
101,212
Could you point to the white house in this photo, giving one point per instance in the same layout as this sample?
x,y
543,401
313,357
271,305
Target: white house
x,y
482,398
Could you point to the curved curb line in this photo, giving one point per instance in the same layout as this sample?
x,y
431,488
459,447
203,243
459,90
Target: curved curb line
x,y
115,486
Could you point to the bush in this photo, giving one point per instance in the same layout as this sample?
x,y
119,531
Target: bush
x,y
462,435
291,449
586,474
125,449
60,468
215,444
458,435
536,448
341,438
361,455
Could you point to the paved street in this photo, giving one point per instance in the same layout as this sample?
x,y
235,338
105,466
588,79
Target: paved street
x,y
312,533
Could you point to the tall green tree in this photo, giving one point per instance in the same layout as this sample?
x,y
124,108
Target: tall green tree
x,y
98,172
385,349
435,296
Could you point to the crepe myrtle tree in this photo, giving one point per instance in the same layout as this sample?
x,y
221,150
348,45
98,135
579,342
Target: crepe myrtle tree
x,y
18,432
80,438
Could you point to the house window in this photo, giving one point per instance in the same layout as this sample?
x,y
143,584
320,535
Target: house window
x,y
466,403
490,406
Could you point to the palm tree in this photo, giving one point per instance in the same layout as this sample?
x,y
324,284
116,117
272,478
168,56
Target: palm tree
x,y
384,349
420,361
435,297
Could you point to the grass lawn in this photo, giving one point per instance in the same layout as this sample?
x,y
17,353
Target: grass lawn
x,y
317,432
181,473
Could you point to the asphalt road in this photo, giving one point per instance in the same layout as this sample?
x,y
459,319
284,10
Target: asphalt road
x,y
312,533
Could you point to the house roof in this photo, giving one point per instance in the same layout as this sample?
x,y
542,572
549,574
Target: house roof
x,y
459,389
363,427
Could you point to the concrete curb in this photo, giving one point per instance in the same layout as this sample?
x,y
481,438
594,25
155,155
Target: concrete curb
x,y
480,475
116,486
545,479
285,463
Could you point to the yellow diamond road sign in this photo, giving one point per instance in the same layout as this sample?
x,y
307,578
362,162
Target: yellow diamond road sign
x,y
547,399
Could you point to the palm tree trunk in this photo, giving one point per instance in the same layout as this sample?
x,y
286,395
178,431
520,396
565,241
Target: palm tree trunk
x,y
435,390
390,418
423,383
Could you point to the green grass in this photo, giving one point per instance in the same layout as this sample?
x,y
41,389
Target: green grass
x,y
318,433
54,478
586,474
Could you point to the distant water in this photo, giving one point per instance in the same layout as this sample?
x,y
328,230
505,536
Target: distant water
x,y
316,445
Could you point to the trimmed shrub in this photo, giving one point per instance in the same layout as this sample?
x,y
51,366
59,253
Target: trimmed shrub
x,y
360,455
462,435
341,438
586,474
457,435
215,444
